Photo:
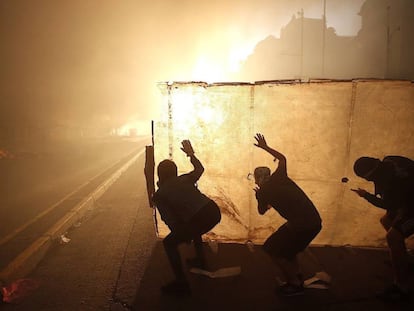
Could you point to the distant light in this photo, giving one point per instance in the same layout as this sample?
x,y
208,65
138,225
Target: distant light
x,y
193,110
133,128
207,70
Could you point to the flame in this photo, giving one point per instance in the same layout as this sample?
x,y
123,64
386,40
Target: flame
x,y
220,68
208,70
193,109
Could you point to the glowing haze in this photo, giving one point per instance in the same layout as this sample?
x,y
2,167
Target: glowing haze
x,y
95,63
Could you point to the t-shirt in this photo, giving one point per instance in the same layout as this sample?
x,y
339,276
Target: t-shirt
x,y
288,199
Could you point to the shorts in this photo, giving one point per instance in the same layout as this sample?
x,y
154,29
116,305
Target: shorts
x,y
287,242
202,222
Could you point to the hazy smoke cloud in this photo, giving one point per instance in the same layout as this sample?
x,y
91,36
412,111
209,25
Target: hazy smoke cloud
x,y
95,63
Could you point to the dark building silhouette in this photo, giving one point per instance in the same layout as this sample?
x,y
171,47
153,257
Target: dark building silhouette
x,y
308,49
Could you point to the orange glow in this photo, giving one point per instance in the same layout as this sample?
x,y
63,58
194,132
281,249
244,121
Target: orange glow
x,y
208,70
192,109
133,128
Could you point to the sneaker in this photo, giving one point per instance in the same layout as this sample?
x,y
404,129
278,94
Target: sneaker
x,y
394,294
289,290
179,288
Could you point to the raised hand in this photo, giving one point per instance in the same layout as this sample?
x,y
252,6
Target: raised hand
x,y
187,148
261,141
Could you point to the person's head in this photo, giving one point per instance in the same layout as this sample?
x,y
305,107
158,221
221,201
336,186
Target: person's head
x,y
166,169
261,174
365,167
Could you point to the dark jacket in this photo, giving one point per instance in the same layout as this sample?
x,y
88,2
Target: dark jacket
x,y
178,199
394,185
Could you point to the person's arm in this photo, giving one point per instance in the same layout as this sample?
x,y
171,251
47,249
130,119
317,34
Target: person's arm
x,y
261,143
262,207
198,167
371,198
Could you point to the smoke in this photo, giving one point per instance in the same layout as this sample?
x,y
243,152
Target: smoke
x,y
81,62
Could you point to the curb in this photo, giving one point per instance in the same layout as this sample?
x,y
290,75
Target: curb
x,y
28,259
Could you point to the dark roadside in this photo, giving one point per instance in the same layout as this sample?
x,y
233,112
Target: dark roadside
x,y
37,179
71,176
100,267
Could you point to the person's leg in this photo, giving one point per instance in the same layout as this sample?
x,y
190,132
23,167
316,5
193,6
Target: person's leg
x,y
402,226
400,290
208,217
171,243
386,221
292,273
277,246
399,257
284,246
179,286
291,270
296,242
199,260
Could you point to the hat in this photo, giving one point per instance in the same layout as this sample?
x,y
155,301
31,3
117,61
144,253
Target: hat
x,y
365,166
166,169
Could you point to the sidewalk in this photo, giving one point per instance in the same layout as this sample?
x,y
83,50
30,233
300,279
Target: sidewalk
x,y
101,266
357,275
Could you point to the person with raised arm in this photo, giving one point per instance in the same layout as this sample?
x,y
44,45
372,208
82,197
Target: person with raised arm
x,y
303,222
187,212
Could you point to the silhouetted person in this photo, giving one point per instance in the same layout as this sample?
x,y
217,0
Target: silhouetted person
x,y
393,178
187,212
277,190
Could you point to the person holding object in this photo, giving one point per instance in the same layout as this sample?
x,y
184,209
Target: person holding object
x,y
303,221
187,212
393,178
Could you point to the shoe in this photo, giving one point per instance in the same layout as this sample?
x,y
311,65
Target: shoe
x,y
178,288
394,294
289,290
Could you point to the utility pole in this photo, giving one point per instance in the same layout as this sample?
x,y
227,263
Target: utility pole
x,y
387,52
323,38
301,42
